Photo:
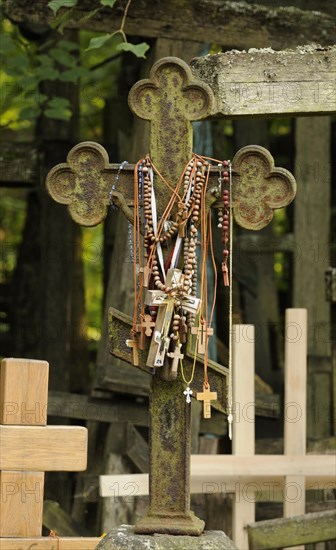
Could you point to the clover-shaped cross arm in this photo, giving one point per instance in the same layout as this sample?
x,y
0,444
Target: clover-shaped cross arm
x,y
86,184
259,187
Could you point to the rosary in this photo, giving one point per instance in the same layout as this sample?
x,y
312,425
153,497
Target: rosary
x,y
170,275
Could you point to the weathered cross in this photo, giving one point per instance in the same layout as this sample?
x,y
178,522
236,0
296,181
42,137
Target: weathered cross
x,y
28,449
171,99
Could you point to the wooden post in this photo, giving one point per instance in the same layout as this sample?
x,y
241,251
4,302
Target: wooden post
x,y
243,426
295,406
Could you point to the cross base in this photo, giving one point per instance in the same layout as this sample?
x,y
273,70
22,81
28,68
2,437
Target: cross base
x,y
123,537
170,524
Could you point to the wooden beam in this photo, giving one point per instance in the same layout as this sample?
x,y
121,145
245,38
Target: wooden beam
x,y
243,439
287,532
21,504
269,83
50,543
228,473
295,408
137,448
23,391
39,448
234,24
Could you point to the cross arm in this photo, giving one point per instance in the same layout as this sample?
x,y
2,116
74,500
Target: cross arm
x,y
87,182
120,325
43,448
270,83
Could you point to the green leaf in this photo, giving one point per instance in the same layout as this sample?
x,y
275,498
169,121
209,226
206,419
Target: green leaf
x,y
63,57
138,49
98,42
58,108
45,60
68,45
72,75
55,5
27,113
46,73
109,3
58,103
58,114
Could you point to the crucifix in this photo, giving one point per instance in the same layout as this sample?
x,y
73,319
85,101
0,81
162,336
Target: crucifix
x,y
170,99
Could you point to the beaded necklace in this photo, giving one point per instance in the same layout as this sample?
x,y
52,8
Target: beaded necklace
x,y
166,305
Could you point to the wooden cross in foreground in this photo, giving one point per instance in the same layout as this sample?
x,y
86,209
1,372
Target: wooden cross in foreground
x,y
28,449
171,99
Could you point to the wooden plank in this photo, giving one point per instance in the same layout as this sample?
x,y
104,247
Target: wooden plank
x,y
50,448
23,391
137,448
84,407
227,473
313,162
317,466
243,509
285,532
265,82
236,24
295,409
21,504
72,405
50,543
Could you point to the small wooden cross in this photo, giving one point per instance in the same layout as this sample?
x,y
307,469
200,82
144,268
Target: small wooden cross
x,y
203,332
147,323
175,355
206,396
133,343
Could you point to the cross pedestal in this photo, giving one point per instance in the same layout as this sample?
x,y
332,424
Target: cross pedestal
x,y
28,449
171,99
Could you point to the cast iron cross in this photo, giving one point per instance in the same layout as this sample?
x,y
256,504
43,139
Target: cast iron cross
x,y
170,99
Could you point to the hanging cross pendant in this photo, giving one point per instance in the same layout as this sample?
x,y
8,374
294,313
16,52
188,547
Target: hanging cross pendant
x,y
206,396
145,272
203,332
188,392
183,330
230,421
147,324
176,356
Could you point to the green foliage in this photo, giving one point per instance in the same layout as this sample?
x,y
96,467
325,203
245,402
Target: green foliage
x,y
12,216
55,5
93,271
137,49
109,3
27,65
58,108
98,41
